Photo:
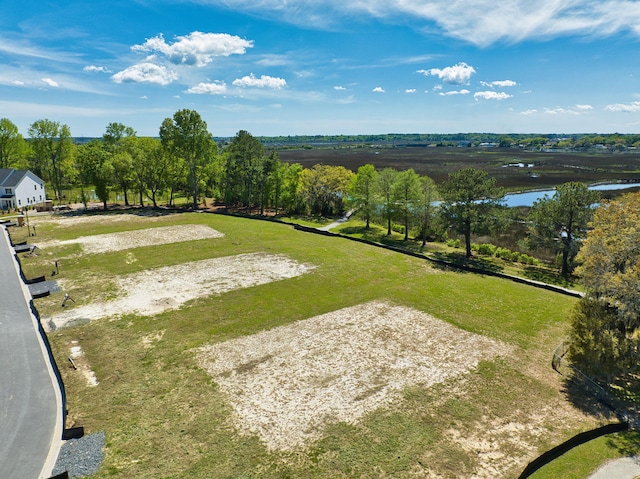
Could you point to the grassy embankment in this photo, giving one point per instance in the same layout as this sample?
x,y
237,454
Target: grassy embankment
x,y
165,417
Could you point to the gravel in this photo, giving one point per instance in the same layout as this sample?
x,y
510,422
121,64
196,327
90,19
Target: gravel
x,y
81,457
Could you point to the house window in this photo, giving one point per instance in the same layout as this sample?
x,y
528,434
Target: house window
x,y
35,187
9,191
19,202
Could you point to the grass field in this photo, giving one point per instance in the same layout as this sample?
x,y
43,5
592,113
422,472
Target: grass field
x,y
165,415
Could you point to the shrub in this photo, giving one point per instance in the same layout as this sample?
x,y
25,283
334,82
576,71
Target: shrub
x,y
453,243
397,228
487,249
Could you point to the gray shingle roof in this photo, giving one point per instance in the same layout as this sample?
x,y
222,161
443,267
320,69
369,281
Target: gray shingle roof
x,y
10,177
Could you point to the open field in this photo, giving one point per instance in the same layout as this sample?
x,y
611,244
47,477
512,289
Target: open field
x,y
364,363
550,169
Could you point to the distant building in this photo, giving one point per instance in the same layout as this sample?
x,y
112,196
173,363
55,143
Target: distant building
x,y
20,189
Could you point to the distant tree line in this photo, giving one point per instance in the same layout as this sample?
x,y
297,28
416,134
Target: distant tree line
x,y
577,142
242,174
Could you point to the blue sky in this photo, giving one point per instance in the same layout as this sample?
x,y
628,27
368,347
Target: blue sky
x,y
288,67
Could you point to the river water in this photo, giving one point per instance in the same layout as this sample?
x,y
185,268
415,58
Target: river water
x,y
527,198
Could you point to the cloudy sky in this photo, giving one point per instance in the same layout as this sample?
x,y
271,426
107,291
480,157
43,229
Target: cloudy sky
x,y
288,67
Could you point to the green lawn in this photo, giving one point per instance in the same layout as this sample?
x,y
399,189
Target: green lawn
x,y
165,417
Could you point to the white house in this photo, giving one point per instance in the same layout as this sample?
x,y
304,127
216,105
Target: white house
x,y
20,189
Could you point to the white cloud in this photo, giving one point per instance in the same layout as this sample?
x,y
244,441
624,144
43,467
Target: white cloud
x,y
18,82
410,90
51,82
481,22
217,88
272,60
197,48
146,73
457,74
560,111
264,81
627,108
455,92
491,95
529,112
576,110
378,89
499,83
339,88
94,68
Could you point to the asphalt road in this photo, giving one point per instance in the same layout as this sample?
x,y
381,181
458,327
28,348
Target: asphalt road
x,y
30,410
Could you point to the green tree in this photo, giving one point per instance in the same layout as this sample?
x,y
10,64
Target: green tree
x,y
244,169
123,172
52,148
270,182
325,188
471,203
94,166
277,179
598,346
610,259
406,195
186,137
426,207
12,145
386,180
114,135
362,192
114,138
560,222
150,166
292,200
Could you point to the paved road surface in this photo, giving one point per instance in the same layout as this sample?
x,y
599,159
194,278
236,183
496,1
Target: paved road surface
x,y
625,468
30,407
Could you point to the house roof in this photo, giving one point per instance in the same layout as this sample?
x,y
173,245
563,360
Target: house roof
x,y
10,178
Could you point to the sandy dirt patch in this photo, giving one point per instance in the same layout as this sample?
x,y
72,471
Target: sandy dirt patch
x,y
80,217
79,362
287,383
137,238
156,290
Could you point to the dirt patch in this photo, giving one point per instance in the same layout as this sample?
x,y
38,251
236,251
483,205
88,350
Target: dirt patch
x,y
79,362
134,239
79,216
149,340
156,290
287,383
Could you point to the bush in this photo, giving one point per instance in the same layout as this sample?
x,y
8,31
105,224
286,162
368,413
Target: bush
x,y
397,228
487,249
453,243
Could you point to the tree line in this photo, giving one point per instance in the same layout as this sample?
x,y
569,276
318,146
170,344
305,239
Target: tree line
x,y
186,160
577,142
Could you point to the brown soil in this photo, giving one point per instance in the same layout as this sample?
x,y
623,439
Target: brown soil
x,y
156,290
287,383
